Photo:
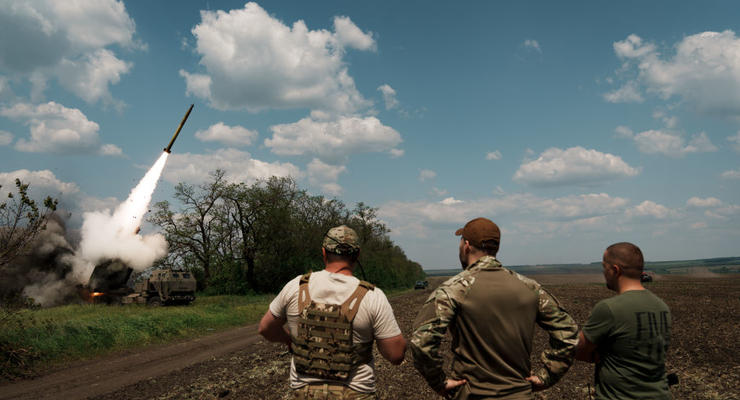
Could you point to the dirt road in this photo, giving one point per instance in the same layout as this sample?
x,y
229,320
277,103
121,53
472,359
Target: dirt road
x,y
237,364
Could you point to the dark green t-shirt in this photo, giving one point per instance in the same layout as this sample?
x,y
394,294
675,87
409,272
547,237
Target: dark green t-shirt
x,y
631,331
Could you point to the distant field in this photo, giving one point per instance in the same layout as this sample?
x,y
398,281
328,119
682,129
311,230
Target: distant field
x,y
722,265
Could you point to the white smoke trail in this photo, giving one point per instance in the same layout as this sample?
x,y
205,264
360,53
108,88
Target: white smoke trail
x,y
106,235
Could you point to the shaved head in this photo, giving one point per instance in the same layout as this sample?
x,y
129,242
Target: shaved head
x,y
626,255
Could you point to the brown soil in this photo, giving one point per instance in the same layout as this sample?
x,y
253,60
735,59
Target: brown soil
x,y
237,364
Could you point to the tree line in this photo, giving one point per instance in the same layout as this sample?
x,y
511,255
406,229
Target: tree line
x,y
238,238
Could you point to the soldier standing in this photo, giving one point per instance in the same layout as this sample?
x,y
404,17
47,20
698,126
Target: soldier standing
x,y
333,319
627,335
491,313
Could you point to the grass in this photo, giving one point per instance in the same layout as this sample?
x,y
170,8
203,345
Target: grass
x,y
36,338
30,338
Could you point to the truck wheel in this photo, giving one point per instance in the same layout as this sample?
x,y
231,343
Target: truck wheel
x,y
154,301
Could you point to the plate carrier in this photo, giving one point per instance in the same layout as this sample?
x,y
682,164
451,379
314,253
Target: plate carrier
x,y
323,347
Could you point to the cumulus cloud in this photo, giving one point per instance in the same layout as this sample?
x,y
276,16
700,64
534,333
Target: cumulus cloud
x,y
396,153
450,201
254,61
438,191
57,129
66,41
731,174
629,93
569,212
427,174
42,183
228,135
532,44
703,203
650,209
389,96
239,167
6,138
575,165
624,132
332,141
325,176
493,155
670,144
735,141
703,71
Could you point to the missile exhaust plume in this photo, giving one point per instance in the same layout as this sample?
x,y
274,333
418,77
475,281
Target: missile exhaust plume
x,y
109,236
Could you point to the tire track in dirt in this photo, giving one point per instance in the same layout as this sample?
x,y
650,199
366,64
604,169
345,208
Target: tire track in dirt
x,y
98,377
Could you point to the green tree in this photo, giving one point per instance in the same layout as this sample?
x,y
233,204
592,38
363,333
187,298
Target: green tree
x,y
21,220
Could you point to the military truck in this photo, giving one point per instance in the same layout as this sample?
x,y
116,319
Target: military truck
x,y
164,286
109,284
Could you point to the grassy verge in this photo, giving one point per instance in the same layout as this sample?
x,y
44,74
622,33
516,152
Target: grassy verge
x,y
34,338
30,338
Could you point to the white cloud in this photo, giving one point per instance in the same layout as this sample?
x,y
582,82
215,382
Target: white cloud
x,y
670,144
349,35
110,150
426,174
703,203
450,201
239,167
575,165
629,93
731,174
57,129
90,76
532,44
632,47
396,153
389,96
735,141
325,176
6,138
699,225
333,141
254,61
66,41
650,209
535,213
493,155
228,135
723,213
624,132
704,71
42,183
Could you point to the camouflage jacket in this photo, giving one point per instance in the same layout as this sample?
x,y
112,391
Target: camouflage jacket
x,y
491,313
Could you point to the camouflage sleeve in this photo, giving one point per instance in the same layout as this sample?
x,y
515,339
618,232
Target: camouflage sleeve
x,y
563,333
430,327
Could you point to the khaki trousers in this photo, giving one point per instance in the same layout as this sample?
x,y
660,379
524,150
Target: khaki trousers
x,y
319,391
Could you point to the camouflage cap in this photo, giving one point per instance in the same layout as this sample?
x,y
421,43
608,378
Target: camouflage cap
x,y
342,240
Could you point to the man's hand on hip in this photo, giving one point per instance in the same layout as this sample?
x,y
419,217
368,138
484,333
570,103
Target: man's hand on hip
x,y
536,382
450,386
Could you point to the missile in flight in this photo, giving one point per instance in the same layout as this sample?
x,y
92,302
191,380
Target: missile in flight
x,y
177,132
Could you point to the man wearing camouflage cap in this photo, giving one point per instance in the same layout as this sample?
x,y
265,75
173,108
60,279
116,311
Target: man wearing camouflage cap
x,y
491,313
332,320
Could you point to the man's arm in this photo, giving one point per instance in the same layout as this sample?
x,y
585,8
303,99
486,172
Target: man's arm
x,y
585,350
392,348
271,328
563,332
430,328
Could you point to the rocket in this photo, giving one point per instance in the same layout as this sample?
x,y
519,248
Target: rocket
x,y
177,132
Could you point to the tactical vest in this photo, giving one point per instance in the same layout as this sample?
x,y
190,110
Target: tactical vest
x,y
322,346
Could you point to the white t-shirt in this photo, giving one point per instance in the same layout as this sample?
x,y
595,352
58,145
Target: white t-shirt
x,y
374,319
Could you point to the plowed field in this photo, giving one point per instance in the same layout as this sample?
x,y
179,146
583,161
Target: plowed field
x,y
704,353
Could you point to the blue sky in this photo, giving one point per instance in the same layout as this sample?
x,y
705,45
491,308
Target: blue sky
x,y
573,126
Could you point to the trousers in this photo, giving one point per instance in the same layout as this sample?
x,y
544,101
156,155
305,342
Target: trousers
x,y
323,391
